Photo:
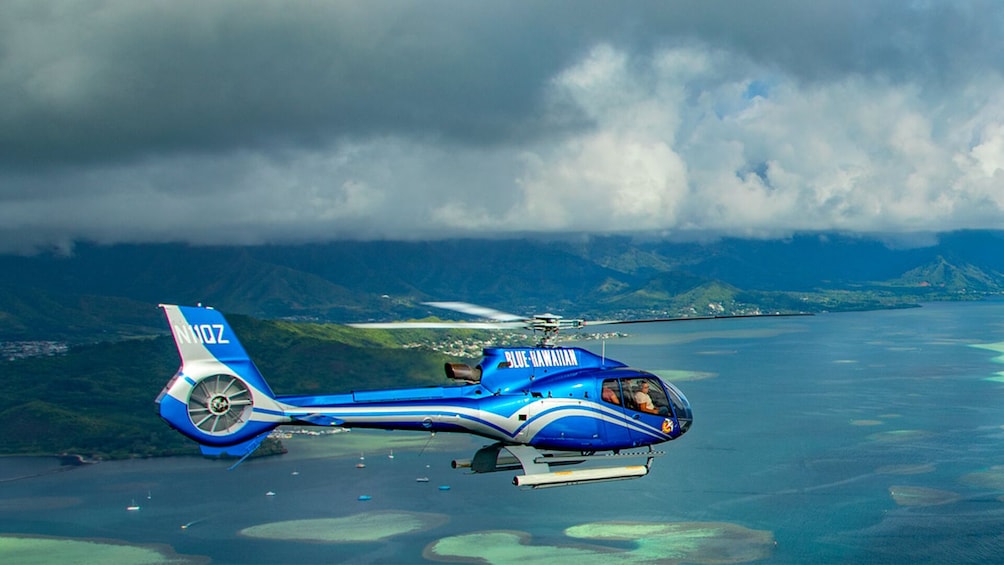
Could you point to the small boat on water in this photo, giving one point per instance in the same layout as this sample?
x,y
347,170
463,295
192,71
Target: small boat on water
x,y
269,493
133,507
422,480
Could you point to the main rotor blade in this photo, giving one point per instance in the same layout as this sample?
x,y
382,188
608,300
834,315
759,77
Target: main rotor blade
x,y
475,310
440,325
690,318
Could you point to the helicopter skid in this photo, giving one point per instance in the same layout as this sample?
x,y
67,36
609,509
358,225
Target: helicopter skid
x,y
538,474
580,476
537,465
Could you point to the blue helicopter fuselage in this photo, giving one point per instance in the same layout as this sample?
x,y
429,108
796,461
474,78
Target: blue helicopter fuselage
x,y
552,398
547,398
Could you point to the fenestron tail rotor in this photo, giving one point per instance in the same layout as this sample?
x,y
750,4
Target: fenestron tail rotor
x,y
548,324
220,404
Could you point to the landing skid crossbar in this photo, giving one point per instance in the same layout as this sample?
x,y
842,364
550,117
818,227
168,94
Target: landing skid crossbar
x,y
560,458
537,465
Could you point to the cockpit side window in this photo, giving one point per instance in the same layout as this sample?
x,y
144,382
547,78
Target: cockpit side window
x,y
611,392
648,396
629,399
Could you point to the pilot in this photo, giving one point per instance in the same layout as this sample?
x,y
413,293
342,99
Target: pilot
x,y
610,395
644,401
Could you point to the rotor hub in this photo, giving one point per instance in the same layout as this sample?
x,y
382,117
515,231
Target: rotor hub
x,y
219,405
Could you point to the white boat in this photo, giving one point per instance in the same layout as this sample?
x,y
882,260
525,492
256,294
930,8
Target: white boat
x,y
133,507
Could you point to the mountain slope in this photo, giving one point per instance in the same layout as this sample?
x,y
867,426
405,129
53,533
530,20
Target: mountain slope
x,y
962,277
114,290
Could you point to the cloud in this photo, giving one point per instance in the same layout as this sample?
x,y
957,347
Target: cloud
x,y
285,122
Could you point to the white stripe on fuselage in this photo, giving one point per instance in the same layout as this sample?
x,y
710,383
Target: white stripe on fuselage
x,y
483,422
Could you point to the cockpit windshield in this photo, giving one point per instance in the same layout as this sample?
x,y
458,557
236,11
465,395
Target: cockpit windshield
x,y
646,394
642,394
681,406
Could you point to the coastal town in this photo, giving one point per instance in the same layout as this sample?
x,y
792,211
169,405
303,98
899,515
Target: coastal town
x,y
14,350
471,347
466,347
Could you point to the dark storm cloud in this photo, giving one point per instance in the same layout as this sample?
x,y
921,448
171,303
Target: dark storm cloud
x,y
217,122
110,80
118,80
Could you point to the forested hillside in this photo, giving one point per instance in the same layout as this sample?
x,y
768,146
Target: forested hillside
x,y
101,293
98,399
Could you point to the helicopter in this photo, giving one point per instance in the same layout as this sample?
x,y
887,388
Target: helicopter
x,y
544,407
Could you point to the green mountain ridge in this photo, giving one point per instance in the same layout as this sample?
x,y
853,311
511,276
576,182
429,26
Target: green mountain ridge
x,y
962,277
111,292
97,399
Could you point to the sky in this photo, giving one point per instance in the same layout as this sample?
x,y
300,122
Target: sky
x,y
234,122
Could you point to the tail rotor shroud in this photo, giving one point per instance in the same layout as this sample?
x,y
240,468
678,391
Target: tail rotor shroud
x,y
220,404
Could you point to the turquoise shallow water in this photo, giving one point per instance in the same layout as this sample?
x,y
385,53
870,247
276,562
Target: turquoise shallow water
x,y
860,437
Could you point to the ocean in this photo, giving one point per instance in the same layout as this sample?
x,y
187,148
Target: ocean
x,y
869,437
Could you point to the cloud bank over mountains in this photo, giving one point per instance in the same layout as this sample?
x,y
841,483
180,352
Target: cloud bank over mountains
x,y
245,123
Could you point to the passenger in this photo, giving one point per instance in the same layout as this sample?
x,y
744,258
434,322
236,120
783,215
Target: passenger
x,y
610,395
644,401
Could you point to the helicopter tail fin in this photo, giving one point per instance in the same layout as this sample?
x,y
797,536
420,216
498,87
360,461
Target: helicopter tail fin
x,y
218,397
